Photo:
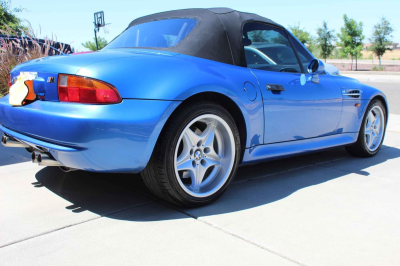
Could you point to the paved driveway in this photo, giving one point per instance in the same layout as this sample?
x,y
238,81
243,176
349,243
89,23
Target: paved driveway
x,y
325,208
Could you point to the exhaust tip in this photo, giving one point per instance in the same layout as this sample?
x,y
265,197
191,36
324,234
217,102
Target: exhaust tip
x,y
12,143
39,158
45,160
34,157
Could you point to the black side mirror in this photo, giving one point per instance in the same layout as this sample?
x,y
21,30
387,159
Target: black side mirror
x,y
315,67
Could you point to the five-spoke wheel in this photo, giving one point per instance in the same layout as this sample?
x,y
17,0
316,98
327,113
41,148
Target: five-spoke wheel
x,y
204,155
196,156
374,128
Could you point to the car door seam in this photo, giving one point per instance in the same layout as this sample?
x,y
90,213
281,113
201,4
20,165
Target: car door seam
x,y
262,101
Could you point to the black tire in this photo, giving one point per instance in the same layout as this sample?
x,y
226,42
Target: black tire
x,y
159,174
359,148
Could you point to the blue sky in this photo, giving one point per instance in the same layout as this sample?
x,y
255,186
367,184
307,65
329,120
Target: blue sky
x,y
72,20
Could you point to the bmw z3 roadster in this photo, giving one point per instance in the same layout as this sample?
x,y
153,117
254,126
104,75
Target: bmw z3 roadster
x,y
184,97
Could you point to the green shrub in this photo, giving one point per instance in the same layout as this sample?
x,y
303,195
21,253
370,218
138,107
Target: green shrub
x,y
378,68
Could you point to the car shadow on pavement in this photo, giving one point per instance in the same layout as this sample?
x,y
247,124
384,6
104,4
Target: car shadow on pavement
x,y
110,194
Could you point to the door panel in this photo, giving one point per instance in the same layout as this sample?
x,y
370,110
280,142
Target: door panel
x,y
294,107
302,109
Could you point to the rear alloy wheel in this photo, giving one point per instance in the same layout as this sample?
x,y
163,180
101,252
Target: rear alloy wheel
x,y
196,156
204,155
372,131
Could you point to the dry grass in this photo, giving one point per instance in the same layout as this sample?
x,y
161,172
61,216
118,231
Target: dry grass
x,y
14,51
389,55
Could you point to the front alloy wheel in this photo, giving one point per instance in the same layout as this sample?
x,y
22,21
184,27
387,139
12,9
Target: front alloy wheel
x,y
196,156
374,128
372,131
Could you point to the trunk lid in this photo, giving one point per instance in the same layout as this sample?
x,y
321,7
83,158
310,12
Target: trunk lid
x,y
47,69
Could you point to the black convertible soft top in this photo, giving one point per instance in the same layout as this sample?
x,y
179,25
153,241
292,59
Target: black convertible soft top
x,y
218,35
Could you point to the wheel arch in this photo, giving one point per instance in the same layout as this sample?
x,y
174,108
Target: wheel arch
x,y
230,105
384,101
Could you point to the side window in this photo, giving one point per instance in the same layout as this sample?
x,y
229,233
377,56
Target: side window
x,y
304,56
268,48
254,57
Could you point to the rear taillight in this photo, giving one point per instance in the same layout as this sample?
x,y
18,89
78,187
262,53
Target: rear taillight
x,y
79,89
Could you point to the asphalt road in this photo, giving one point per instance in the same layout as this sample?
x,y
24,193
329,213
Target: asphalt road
x,y
392,92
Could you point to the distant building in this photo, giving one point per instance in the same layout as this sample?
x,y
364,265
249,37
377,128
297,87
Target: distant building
x,y
366,45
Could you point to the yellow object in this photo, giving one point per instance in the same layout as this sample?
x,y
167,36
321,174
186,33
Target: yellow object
x,y
22,90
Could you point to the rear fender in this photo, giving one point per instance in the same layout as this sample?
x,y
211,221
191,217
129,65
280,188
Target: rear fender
x,y
177,77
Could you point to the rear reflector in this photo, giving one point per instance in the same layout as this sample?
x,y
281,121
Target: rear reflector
x,y
79,89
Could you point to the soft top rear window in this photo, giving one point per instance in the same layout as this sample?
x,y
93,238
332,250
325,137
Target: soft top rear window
x,y
155,34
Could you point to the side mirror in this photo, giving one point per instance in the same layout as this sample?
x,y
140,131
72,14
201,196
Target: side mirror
x,y
315,67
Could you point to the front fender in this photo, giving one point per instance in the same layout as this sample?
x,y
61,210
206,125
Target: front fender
x,y
369,92
352,117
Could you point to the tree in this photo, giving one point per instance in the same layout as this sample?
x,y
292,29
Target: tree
x,y
351,37
302,35
325,39
9,19
92,45
258,36
381,38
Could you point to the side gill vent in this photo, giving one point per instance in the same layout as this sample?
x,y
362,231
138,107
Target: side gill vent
x,y
351,93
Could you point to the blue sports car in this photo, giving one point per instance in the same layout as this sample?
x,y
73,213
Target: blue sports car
x,y
184,97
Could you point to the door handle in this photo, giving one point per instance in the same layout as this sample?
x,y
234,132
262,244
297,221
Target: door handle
x,y
275,87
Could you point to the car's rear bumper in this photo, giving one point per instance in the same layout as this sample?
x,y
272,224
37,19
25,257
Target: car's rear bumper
x,y
101,138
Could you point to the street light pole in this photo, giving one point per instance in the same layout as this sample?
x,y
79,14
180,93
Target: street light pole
x,y
95,37
98,22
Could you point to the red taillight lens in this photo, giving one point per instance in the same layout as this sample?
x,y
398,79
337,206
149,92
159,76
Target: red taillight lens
x,y
78,89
